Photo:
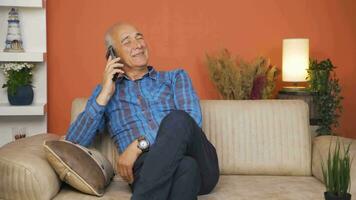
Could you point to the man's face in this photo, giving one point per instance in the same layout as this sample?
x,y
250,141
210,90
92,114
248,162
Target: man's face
x,y
131,46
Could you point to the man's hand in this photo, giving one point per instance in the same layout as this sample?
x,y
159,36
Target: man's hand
x,y
126,161
108,86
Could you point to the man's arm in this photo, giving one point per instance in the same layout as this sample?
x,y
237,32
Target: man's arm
x,y
127,160
185,97
88,123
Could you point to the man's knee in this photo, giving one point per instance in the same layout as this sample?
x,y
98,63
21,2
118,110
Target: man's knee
x,y
177,117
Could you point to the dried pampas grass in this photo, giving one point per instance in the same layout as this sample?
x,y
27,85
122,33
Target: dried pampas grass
x,y
238,79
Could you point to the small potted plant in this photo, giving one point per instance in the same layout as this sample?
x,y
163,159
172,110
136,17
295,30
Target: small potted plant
x,y
18,77
336,173
326,90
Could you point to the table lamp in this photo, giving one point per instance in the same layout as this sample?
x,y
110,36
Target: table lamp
x,y
295,62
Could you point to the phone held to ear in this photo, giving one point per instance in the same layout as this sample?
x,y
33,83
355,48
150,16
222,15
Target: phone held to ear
x,y
111,52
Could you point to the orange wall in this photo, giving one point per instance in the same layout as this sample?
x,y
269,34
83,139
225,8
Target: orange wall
x,y
179,34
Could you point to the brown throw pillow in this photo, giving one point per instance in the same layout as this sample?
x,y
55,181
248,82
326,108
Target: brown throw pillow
x,y
84,169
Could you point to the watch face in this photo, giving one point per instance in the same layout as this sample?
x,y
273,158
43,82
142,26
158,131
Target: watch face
x,y
143,144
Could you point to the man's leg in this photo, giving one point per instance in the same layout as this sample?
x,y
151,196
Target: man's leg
x,y
178,136
186,180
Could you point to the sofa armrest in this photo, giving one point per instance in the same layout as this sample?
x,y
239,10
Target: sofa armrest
x,y
321,146
25,172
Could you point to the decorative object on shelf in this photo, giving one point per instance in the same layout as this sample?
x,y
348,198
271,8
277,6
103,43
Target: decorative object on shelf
x,y
326,94
336,172
237,79
23,96
13,38
19,133
295,62
18,82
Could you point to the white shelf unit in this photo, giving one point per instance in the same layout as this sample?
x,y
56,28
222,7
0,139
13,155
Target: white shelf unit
x,y
22,57
36,109
32,118
23,3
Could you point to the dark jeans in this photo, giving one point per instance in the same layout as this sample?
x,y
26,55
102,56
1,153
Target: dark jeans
x,y
181,164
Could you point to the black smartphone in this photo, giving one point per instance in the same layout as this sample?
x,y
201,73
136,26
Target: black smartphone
x,y
111,52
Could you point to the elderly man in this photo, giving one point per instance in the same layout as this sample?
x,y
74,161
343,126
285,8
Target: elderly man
x,y
154,118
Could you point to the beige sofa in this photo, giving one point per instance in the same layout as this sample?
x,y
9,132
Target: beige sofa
x,y
264,147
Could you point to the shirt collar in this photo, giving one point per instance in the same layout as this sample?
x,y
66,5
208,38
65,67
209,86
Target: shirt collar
x,y
152,73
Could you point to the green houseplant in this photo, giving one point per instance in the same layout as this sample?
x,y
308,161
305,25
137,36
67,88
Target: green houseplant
x,y
336,173
238,79
325,88
18,77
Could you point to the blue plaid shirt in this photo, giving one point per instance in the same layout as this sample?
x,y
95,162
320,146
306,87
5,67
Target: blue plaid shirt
x,y
136,108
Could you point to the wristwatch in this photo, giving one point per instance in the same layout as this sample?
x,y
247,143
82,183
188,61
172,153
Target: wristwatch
x,y
143,144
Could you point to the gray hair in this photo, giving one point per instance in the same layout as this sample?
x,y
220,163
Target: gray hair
x,y
108,40
108,35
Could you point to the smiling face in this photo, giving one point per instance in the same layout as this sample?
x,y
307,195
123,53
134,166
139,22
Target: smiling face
x,y
130,46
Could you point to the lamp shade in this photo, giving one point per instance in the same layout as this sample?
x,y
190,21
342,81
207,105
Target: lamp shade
x,y
295,60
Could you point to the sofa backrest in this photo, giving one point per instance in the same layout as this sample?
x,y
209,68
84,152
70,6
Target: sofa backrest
x,y
268,137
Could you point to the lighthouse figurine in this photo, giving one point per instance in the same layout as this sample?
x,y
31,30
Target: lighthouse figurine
x,y
13,38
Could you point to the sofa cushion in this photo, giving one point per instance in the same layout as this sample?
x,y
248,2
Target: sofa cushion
x,y
246,187
118,190
25,172
84,169
230,187
269,137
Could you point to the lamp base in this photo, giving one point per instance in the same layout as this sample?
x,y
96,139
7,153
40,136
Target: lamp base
x,y
294,89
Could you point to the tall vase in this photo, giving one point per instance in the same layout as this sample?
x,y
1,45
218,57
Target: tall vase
x,y
22,96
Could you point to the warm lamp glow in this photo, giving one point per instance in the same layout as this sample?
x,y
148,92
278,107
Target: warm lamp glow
x,y
295,60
